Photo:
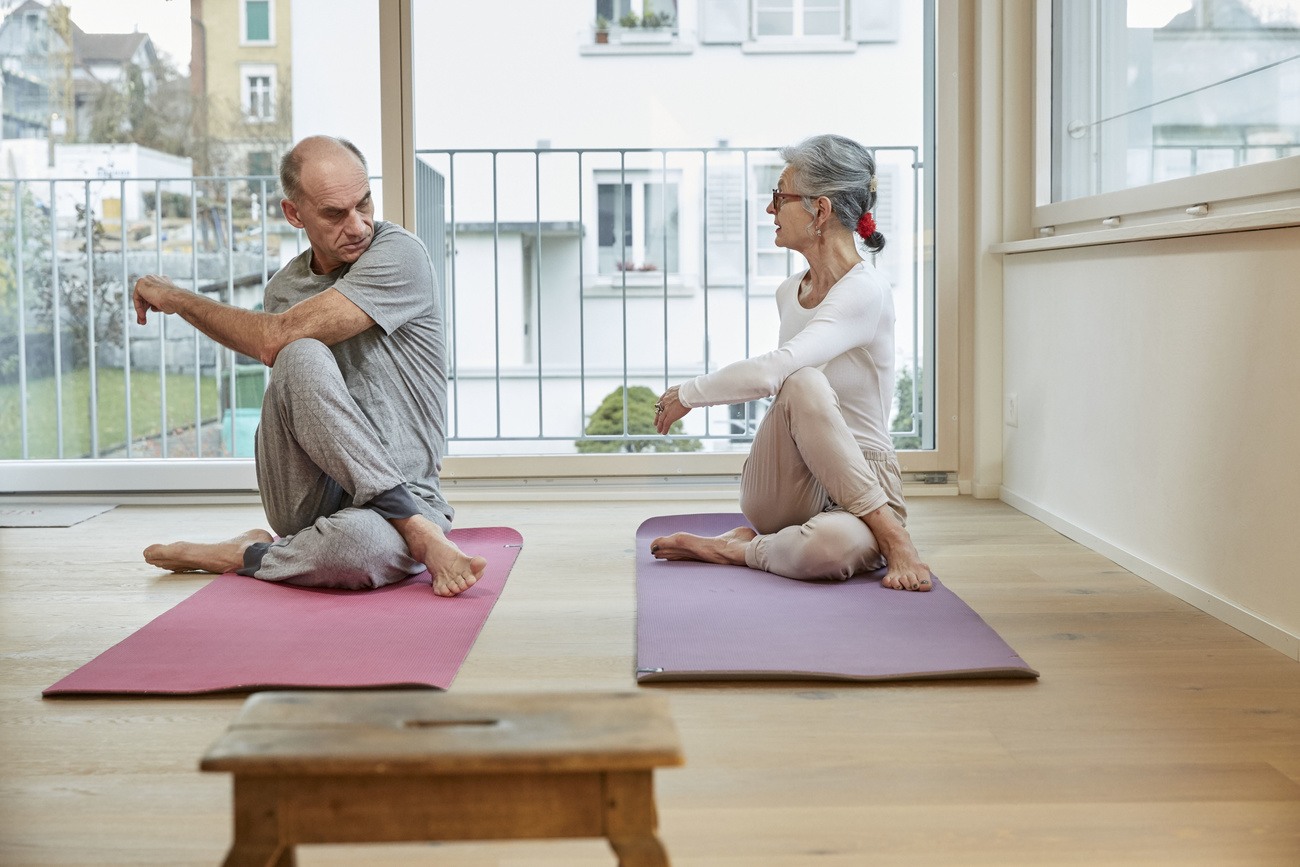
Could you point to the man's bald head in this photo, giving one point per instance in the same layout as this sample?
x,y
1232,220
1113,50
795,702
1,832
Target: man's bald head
x,y
315,149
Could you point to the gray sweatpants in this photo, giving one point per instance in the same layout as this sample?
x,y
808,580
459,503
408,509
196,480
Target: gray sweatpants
x,y
321,469
807,482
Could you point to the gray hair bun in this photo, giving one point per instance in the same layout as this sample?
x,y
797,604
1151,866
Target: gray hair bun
x,y
841,170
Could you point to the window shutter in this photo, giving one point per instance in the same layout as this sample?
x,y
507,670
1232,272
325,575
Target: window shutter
x,y
873,20
724,22
726,206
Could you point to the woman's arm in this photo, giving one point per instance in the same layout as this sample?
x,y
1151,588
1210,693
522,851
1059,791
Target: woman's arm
x,y
846,318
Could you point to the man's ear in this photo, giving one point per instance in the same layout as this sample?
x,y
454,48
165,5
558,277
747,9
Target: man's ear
x,y
290,211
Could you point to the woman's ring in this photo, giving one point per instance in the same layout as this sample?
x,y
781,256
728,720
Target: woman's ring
x,y
659,407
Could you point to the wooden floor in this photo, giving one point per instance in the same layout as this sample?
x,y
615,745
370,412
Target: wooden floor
x,y
1157,734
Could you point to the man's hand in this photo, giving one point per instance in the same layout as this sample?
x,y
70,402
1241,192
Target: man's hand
x,y
154,293
668,410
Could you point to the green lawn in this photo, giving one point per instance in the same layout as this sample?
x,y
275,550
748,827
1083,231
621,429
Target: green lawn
x,y
42,436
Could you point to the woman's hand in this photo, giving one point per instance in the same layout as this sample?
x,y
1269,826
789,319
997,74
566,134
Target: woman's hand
x,y
668,410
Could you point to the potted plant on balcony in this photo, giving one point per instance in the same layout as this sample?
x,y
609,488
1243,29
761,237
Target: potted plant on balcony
x,y
602,30
650,27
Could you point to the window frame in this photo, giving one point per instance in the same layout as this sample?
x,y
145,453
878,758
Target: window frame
x,y
234,480
797,36
244,41
248,71
638,180
1250,193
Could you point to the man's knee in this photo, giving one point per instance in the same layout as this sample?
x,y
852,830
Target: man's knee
x,y
302,358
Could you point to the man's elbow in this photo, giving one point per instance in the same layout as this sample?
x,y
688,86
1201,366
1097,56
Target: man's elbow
x,y
274,337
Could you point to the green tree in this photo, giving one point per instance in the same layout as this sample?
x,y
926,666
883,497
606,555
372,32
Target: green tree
x,y
903,421
608,420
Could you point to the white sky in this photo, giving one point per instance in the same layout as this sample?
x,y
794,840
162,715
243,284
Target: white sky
x,y
166,21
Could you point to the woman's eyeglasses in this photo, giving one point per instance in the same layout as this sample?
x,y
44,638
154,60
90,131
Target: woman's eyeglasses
x,y
777,196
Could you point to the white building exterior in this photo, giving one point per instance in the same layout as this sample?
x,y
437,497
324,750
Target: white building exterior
x,y
29,158
532,76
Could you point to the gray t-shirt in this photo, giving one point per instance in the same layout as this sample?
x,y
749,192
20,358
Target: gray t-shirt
x,y
396,370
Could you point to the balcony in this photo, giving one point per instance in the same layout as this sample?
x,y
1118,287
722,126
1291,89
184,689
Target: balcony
x,y
568,278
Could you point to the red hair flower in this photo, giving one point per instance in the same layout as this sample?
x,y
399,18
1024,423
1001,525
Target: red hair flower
x,y
866,226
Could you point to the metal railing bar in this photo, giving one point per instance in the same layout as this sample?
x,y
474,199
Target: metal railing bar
x,y
218,353
162,320
22,319
90,327
455,309
266,371
582,308
663,218
496,288
198,366
620,199
744,179
916,292
230,298
537,284
58,319
128,309
704,228
645,150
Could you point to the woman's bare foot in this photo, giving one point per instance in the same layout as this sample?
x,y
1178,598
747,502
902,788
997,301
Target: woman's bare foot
x,y
727,549
218,557
452,570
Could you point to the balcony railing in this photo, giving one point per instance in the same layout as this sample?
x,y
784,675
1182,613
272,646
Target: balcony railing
x,y
569,278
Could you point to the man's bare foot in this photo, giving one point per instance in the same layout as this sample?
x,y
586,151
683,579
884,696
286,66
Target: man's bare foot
x,y
452,570
727,549
218,557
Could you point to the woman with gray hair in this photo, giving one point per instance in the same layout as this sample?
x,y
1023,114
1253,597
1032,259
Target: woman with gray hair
x,y
821,485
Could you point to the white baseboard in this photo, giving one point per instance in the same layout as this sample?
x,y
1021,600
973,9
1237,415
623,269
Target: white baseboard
x,y
1239,618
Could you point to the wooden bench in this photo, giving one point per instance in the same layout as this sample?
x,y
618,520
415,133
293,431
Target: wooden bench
x,y
405,765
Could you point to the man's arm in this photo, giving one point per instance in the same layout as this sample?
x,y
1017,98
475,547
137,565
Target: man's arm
x,y
328,317
906,571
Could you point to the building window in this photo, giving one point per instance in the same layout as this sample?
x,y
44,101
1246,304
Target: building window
x,y
1145,93
637,223
798,19
257,22
616,11
257,84
260,164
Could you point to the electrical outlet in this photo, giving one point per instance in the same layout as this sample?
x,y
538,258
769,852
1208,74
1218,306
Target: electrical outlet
x,y
1010,410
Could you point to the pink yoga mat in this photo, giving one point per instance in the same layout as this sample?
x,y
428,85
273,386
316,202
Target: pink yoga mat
x,y
241,634
699,621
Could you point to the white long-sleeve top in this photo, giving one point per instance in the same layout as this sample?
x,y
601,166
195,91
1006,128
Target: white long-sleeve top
x,y
849,336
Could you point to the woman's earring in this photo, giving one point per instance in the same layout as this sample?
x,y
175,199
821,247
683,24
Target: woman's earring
x,y
819,233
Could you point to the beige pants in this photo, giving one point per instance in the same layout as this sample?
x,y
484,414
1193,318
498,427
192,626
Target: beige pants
x,y
806,483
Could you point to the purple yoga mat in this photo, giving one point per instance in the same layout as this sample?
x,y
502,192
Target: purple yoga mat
x,y
240,634
699,621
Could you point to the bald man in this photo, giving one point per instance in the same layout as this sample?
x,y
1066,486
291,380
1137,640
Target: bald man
x,y
353,421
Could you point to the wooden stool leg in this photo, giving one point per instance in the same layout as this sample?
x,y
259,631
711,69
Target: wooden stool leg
x,y
259,856
257,826
630,819
639,851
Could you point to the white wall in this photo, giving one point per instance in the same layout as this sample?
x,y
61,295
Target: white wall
x,y
1159,402
336,75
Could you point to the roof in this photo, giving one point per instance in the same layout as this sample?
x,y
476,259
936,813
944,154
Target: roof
x,y
115,47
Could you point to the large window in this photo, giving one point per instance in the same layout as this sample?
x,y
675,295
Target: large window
x,y
1150,92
